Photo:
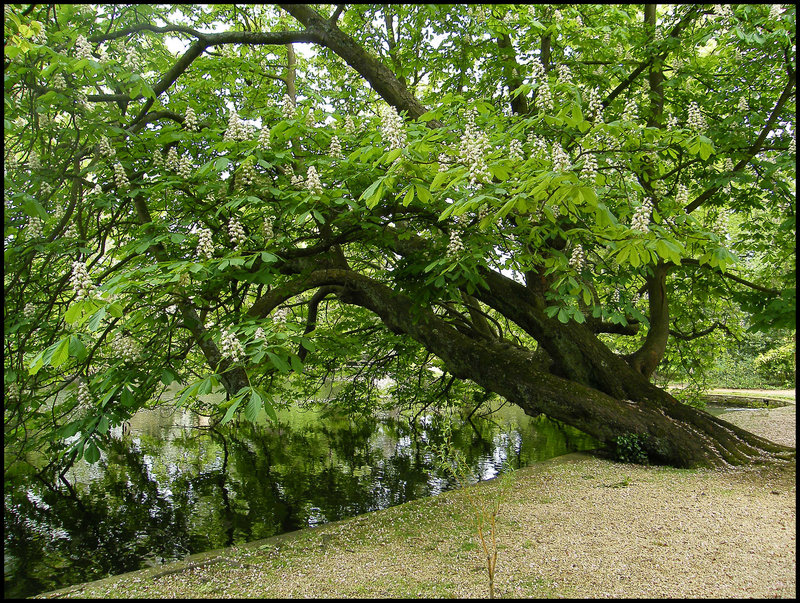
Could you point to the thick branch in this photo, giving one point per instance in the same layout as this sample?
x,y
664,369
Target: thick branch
x,y
382,79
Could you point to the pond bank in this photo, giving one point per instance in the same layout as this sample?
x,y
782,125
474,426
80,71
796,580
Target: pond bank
x,y
575,526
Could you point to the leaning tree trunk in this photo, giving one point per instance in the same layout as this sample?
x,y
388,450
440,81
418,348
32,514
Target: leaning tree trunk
x,y
670,432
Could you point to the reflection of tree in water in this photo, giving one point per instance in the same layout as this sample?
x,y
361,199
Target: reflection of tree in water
x,y
104,527
207,488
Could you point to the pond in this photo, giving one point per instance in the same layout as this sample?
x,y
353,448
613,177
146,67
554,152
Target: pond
x,y
171,487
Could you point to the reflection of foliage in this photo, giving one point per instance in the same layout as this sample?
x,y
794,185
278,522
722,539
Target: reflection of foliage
x,y
184,489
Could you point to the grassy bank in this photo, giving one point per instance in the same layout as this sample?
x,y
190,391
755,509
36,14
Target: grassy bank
x,y
572,527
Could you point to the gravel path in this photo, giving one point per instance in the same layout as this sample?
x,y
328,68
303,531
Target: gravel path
x,y
575,526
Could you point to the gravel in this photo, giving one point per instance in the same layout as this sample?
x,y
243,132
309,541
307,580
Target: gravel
x,y
575,526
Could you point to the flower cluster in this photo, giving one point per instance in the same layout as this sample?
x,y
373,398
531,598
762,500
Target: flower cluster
x,y
672,122
190,120
589,170
29,311
58,82
82,48
336,148
793,143
105,148
266,228
721,223
288,107
695,121
564,74
473,151
263,138
349,125
454,246
515,150
743,106
280,316
34,228
260,334
158,159
204,245
641,217
545,96
120,178
125,348
33,161
311,118
444,162
247,173
682,195
537,70
236,233
172,159
594,104
577,259
775,11
561,162
723,10
237,129
614,297
231,346
538,144
81,281
393,129
84,395
313,183
131,60
484,212
184,167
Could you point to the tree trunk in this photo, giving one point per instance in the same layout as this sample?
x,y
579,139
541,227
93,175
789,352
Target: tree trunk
x,y
669,432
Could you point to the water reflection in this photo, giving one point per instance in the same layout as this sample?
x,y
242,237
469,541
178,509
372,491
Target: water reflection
x,y
172,486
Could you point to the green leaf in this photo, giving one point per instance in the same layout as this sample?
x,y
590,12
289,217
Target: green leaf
x,y
409,196
168,376
73,312
70,429
76,348
423,193
91,454
96,319
102,425
438,180
563,316
278,362
254,406
61,353
231,409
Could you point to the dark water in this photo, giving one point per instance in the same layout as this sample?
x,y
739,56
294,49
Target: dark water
x,y
172,487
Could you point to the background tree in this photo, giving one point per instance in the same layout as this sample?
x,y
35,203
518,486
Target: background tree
x,y
505,192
